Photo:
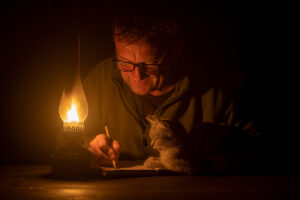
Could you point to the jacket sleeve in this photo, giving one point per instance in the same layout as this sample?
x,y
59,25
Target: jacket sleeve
x,y
93,88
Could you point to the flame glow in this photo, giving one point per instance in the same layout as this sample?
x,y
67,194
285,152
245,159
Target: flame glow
x,y
72,115
73,107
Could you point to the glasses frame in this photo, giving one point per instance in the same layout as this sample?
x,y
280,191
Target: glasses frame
x,y
141,66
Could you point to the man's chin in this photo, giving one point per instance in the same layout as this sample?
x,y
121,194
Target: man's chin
x,y
140,91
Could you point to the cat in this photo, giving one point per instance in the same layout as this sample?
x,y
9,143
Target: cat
x,y
166,142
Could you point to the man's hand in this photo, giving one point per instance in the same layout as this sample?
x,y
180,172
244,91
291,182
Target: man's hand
x,y
104,148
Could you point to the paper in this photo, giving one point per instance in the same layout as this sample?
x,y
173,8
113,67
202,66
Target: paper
x,y
130,169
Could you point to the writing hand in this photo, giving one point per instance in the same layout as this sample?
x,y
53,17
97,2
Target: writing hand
x,y
104,148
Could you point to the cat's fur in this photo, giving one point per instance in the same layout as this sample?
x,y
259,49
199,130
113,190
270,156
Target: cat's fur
x,y
166,142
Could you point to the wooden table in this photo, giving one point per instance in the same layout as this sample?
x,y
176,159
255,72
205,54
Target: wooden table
x,y
31,182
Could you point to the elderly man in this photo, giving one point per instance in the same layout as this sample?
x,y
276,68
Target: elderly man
x,y
148,75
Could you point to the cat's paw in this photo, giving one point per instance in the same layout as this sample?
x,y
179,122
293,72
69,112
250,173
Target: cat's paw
x,y
185,169
152,162
178,165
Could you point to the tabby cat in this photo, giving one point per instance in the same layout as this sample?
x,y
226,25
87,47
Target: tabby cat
x,y
166,142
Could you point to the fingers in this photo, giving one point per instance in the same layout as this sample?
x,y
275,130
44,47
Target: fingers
x,y
98,145
97,152
114,150
104,148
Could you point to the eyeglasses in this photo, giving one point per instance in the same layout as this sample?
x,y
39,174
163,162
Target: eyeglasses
x,y
149,69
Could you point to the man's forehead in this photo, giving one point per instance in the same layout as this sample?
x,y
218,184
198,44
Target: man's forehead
x,y
140,49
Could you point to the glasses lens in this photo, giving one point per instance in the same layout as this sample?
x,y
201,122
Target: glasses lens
x,y
123,66
151,69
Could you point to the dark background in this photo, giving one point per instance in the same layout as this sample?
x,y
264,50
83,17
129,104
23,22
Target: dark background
x,y
39,56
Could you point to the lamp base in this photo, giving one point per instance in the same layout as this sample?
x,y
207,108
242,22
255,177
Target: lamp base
x,y
71,162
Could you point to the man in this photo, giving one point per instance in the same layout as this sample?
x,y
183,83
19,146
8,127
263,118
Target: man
x,y
147,75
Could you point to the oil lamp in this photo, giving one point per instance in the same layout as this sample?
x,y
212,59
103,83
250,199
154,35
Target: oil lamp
x,y
72,160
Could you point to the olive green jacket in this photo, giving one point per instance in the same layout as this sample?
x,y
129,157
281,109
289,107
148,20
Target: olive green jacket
x,y
112,103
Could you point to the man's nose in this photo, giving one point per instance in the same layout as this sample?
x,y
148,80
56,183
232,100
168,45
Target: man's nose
x,y
138,74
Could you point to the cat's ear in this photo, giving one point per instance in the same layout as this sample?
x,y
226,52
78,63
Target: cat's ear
x,y
151,118
165,119
166,123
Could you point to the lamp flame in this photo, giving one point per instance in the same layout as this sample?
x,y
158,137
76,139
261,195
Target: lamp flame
x,y
72,115
73,106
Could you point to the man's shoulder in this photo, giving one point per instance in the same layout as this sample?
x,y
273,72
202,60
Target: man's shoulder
x,y
99,73
103,68
107,61
104,64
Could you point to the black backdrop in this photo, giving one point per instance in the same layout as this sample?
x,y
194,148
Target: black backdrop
x,y
39,54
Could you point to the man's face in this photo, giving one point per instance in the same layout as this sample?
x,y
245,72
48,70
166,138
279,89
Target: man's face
x,y
138,52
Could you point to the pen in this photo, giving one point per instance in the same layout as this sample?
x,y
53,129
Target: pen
x,y
107,134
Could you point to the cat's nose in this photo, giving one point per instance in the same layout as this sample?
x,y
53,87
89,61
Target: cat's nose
x,y
152,143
